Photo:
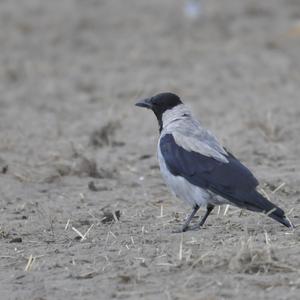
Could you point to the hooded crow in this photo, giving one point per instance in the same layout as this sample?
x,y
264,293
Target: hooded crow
x,y
197,169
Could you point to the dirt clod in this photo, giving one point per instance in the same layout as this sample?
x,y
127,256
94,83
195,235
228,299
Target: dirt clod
x,y
3,166
104,136
16,240
109,217
95,188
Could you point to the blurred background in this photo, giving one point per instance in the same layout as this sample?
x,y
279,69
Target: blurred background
x,y
70,73
68,65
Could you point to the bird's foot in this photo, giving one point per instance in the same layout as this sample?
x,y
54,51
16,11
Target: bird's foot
x,y
181,229
195,227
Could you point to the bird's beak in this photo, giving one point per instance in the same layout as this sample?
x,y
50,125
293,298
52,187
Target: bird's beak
x,y
145,103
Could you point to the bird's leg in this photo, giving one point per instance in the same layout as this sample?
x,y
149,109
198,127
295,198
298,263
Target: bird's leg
x,y
209,209
189,219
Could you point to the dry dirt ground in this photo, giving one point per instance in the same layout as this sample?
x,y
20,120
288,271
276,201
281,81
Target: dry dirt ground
x,y
84,211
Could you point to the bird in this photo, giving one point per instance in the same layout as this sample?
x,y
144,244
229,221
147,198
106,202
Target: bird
x,y
198,169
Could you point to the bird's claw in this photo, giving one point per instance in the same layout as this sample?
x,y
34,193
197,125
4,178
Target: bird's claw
x,y
195,227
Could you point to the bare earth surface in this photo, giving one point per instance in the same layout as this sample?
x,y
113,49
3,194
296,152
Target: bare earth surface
x,y
76,155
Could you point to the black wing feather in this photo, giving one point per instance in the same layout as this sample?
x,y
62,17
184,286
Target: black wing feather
x,y
206,172
231,180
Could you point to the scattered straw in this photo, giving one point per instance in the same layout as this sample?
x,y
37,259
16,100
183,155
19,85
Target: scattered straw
x,y
8,256
267,238
20,177
233,212
279,187
290,211
160,256
67,225
207,285
200,259
29,264
292,225
265,193
78,232
226,209
113,234
140,258
115,217
253,259
180,248
193,241
270,211
87,232
161,212
107,237
132,240
166,265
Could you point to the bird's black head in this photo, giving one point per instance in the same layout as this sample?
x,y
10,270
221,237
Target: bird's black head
x,y
160,103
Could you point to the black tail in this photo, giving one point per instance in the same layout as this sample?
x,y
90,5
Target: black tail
x,y
259,203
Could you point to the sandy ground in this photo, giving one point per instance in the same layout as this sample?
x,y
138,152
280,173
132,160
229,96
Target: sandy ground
x,y
75,154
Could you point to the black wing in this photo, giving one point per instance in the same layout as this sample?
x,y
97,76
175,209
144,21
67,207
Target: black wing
x,y
231,180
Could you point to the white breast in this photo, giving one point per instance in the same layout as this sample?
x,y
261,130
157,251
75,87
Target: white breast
x,y
182,189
